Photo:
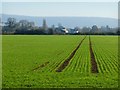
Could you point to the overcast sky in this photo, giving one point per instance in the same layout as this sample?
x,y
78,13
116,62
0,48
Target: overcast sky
x,y
89,9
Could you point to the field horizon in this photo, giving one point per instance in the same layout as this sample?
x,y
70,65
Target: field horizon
x,y
60,45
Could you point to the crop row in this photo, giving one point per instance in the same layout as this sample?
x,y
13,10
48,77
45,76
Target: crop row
x,y
106,60
31,61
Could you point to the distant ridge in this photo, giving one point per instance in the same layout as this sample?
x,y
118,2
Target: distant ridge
x,y
69,22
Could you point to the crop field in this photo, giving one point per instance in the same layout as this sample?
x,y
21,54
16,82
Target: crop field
x,y
59,61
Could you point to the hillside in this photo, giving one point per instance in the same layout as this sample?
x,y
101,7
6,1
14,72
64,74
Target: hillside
x,y
67,21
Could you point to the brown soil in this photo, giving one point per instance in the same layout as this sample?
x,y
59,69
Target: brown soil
x,y
94,68
40,66
66,62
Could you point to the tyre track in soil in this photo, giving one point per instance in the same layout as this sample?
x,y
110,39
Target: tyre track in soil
x,y
45,64
94,68
66,62
40,66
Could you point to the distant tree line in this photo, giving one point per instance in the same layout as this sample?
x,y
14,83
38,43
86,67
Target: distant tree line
x,y
11,26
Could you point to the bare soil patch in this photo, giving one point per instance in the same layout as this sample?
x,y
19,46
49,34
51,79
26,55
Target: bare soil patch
x,y
66,62
40,66
94,68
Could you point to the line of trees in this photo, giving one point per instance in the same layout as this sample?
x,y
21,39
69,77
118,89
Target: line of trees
x,y
11,26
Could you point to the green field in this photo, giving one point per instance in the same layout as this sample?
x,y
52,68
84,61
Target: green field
x,y
31,61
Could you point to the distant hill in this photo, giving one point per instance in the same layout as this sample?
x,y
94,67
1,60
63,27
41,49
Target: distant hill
x,y
70,22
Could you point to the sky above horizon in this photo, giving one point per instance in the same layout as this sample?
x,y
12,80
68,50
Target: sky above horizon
x,y
60,0
85,9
